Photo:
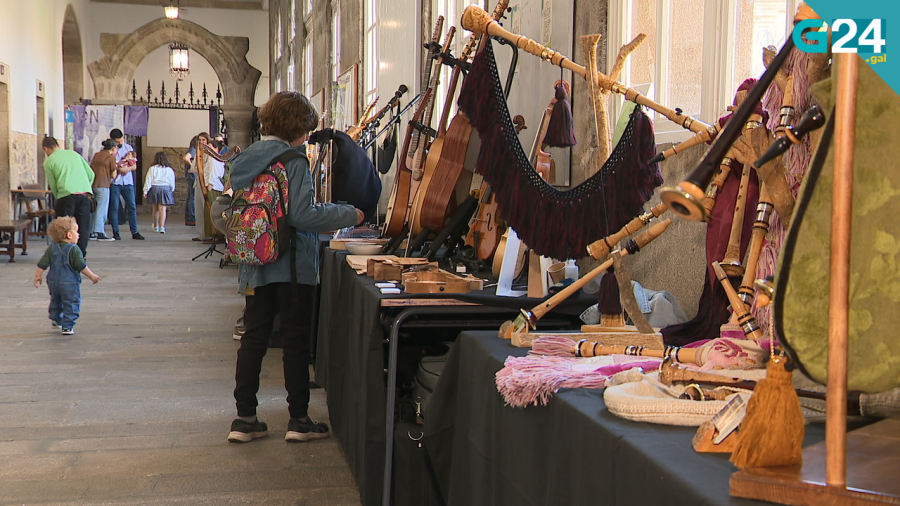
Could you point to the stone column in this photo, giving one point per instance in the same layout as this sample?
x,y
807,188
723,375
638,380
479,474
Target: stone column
x,y
238,120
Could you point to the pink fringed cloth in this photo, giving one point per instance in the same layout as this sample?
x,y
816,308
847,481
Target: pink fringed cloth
x,y
532,380
533,207
550,365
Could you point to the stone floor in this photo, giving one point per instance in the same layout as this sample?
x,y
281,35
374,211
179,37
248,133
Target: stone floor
x,y
135,407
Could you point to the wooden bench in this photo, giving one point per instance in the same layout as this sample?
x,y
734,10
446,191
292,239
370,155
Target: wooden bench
x,y
11,227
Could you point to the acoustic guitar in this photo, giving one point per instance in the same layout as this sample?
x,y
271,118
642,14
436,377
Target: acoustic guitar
x,y
398,203
437,196
402,191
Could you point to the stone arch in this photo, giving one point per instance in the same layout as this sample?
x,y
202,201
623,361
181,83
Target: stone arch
x,y
112,74
73,59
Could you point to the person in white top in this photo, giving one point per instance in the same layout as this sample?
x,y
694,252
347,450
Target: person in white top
x,y
159,188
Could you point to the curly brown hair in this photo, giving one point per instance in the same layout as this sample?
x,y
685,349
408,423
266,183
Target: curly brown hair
x,y
59,227
288,115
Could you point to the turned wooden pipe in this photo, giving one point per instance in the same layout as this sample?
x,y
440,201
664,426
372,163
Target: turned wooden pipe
x,y
757,236
786,113
699,138
731,262
474,18
744,318
599,249
632,247
528,319
585,348
709,201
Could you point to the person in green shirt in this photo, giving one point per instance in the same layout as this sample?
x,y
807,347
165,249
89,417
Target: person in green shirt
x,y
70,178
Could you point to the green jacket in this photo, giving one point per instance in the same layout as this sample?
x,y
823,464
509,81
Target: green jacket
x,y
68,173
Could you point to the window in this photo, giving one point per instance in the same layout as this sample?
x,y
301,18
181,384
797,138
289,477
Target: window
x,y
308,68
709,47
452,11
371,37
335,40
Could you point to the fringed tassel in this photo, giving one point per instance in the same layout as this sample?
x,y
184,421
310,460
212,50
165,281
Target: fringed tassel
x,y
527,381
608,301
626,179
772,432
561,127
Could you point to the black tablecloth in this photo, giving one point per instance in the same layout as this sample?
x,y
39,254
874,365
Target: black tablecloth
x,y
570,452
350,361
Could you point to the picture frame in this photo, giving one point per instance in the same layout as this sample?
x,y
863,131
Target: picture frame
x,y
344,100
318,100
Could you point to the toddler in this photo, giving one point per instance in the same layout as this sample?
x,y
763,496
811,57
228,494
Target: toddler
x,y
159,186
65,261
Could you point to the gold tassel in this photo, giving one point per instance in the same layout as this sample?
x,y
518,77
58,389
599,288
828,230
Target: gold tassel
x,y
772,432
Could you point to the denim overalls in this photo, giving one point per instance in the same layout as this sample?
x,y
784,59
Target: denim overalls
x,y
65,287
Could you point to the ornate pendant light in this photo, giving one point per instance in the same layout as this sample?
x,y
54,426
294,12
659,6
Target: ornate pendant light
x,y
179,60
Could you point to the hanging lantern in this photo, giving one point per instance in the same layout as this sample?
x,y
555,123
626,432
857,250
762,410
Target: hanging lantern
x,y
171,11
179,61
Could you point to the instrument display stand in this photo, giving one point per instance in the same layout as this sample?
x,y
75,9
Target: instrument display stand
x,y
208,252
873,457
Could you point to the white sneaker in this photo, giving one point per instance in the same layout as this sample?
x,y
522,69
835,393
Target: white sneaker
x,y
156,229
68,332
162,230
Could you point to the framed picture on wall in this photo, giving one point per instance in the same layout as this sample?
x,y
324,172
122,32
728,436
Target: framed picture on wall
x,y
343,103
318,100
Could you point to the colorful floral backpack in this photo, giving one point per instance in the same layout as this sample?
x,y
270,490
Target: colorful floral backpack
x,y
256,228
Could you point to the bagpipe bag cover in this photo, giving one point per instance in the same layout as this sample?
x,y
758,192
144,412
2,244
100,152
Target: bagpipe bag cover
x,y
801,302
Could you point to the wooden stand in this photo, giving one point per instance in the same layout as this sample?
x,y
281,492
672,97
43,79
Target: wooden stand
x,y
872,463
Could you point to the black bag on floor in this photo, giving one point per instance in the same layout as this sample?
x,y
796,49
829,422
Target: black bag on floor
x,y
427,376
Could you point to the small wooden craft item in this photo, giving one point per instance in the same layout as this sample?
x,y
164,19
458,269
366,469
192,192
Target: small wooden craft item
x,y
717,434
391,269
439,281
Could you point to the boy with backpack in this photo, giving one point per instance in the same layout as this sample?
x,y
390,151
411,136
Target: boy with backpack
x,y
271,175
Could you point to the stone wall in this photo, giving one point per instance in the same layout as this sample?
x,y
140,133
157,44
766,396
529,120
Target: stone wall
x,y
175,159
22,159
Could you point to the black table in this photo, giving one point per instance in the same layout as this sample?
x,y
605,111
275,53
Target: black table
x,y
570,452
356,350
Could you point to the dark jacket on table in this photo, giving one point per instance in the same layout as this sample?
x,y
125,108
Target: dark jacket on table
x,y
303,214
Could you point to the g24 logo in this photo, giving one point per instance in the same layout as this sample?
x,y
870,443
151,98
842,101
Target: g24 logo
x,y
844,32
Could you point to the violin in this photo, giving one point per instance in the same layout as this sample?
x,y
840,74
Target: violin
x,y
484,234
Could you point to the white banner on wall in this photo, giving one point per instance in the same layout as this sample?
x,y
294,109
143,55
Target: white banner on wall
x,y
174,128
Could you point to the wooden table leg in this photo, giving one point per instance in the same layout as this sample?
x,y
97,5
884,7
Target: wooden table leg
x,y
24,241
12,246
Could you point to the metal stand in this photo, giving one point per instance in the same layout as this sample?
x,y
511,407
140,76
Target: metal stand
x,y
208,252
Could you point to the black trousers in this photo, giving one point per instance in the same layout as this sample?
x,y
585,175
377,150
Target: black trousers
x,y
77,206
260,312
